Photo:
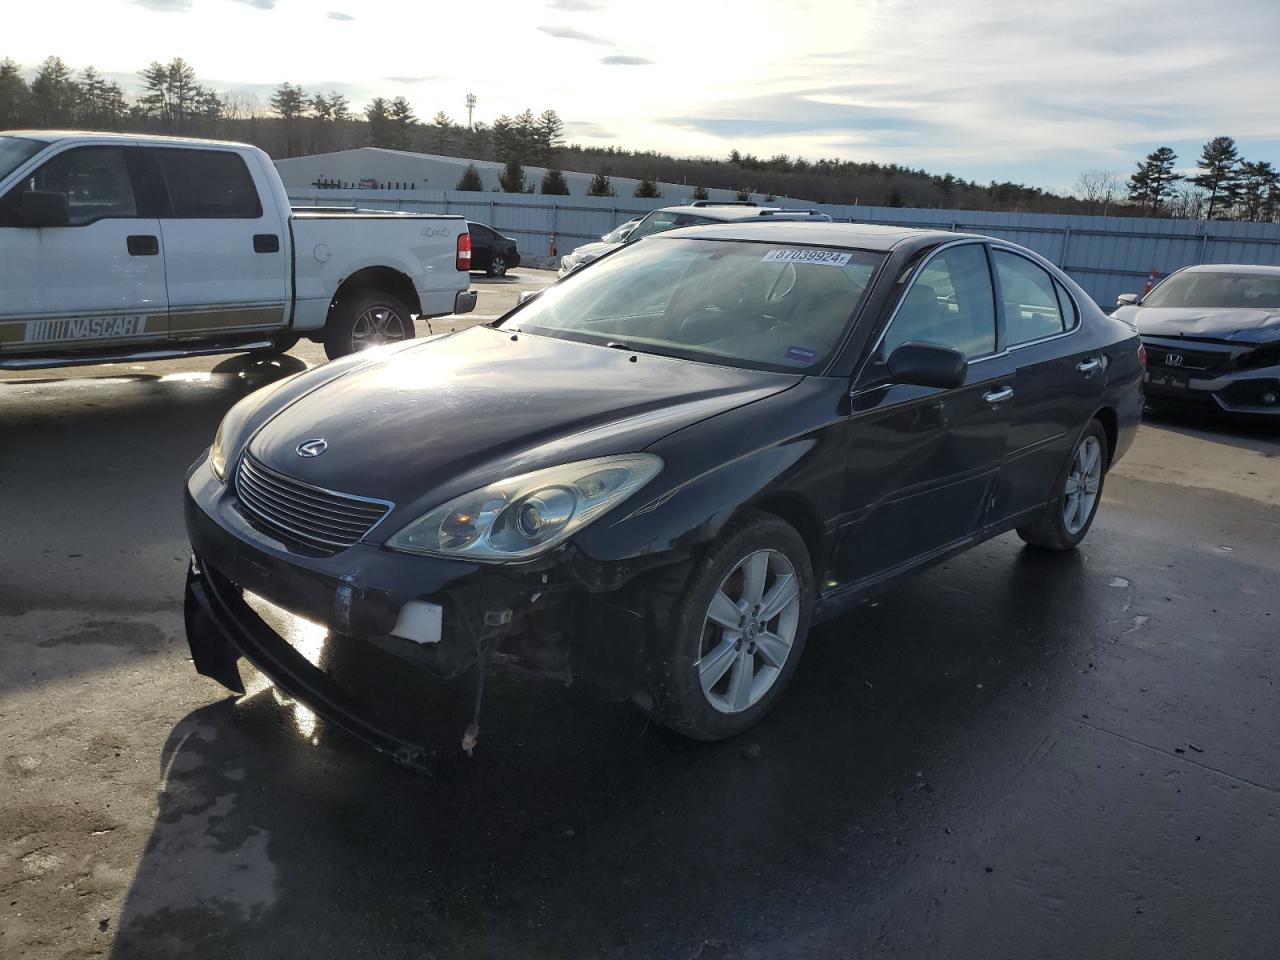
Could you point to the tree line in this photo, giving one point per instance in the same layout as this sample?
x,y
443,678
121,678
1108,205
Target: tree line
x,y
294,121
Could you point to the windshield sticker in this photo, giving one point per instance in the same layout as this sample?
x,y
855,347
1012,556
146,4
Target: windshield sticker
x,y
801,354
833,258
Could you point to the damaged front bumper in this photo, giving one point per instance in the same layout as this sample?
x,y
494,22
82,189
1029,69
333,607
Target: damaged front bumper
x,y
567,619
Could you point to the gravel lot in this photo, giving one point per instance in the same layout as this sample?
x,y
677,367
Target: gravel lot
x,y
1013,755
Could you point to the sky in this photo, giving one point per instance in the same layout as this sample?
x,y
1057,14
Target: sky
x,y
1028,91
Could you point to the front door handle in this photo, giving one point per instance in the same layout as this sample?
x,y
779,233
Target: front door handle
x,y
266,243
998,396
1089,366
143,245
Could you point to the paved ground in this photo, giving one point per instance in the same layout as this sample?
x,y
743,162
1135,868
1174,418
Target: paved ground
x,y
1012,756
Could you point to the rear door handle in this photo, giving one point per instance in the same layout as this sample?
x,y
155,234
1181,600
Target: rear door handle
x,y
266,243
998,396
1089,366
143,245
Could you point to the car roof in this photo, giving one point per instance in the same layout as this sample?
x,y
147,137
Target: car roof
x,y
1262,270
136,139
863,236
733,211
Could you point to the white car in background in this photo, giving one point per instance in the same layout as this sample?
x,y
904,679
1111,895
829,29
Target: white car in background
x,y
117,247
669,218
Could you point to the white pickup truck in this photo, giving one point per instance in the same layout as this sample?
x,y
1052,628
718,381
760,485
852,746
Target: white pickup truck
x,y
116,247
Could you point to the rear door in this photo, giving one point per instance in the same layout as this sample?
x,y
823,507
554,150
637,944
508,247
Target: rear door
x,y
923,462
226,255
96,282
1058,384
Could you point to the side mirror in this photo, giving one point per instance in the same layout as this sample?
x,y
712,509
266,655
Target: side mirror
x,y
622,237
1127,300
526,295
928,365
44,208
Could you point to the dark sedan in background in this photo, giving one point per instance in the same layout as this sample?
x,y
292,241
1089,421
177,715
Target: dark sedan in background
x,y
491,251
1212,336
653,477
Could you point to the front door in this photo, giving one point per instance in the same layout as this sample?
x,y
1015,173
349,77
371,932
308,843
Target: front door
x,y
96,282
923,462
225,247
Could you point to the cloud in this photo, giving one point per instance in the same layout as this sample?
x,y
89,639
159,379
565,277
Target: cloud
x,y
425,79
338,15
165,6
577,6
622,60
585,128
568,33
260,4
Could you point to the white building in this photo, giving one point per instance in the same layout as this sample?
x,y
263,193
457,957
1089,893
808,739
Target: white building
x,y
377,168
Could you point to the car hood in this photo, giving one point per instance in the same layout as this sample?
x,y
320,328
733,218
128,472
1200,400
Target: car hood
x,y
589,251
452,414
1245,326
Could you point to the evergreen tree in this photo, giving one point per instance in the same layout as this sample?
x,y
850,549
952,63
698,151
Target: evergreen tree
x,y
402,123
1152,182
54,94
647,187
503,139
554,183
470,180
171,93
700,193
550,130
1219,161
1258,185
379,120
512,178
525,140
15,97
441,131
743,194
289,103
600,186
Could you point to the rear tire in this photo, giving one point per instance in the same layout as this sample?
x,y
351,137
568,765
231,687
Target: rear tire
x,y
364,319
497,266
1068,518
721,660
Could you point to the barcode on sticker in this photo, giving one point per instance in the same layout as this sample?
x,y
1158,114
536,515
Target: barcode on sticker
x,y
832,258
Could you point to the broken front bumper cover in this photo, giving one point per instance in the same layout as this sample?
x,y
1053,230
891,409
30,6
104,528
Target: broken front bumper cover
x,y
222,628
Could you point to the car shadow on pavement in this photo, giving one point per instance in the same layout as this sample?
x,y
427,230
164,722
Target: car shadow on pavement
x,y
581,829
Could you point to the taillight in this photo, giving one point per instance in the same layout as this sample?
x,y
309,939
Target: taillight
x,y
1142,354
463,262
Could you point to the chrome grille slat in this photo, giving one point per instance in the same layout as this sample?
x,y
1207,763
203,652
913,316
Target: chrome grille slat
x,y
319,518
300,494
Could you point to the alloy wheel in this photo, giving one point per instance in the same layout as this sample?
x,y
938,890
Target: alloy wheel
x,y
1083,482
376,326
749,630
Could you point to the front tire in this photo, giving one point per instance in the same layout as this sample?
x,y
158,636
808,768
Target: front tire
x,y
730,642
1067,519
366,319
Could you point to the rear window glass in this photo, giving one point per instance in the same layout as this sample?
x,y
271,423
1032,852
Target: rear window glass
x,y
208,185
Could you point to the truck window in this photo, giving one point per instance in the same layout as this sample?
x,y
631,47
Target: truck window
x,y
208,185
95,180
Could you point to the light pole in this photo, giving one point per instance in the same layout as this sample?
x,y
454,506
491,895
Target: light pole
x,y
471,105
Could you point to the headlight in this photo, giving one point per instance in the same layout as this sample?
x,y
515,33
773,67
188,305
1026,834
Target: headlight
x,y
217,453
228,433
524,516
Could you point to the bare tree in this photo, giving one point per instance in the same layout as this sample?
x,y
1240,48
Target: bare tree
x,y
1099,189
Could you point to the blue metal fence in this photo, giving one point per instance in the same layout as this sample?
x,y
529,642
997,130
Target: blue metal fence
x,y
1106,255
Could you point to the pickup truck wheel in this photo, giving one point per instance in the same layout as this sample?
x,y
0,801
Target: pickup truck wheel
x,y
498,266
728,642
365,320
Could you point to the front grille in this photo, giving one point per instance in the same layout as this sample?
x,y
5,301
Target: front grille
x,y
1200,361
319,518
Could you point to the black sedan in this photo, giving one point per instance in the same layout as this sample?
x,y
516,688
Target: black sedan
x,y
1212,335
656,475
491,251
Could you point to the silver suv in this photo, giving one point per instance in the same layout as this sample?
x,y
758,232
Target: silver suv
x,y
700,211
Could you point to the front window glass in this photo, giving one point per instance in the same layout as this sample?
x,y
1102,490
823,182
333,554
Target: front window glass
x,y
662,220
95,180
1225,290
14,151
765,305
949,304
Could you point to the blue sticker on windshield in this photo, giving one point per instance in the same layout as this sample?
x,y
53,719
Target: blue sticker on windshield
x,y
801,354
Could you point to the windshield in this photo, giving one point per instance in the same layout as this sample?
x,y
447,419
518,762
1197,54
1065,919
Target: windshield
x,y
762,305
662,220
1221,290
15,150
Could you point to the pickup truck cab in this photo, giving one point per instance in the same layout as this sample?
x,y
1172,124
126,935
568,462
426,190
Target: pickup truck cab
x,y
117,247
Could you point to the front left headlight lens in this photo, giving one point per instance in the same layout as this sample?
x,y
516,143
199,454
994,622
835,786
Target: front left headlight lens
x,y
218,452
523,516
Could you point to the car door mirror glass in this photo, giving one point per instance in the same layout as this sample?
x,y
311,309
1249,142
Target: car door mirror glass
x,y
45,208
927,365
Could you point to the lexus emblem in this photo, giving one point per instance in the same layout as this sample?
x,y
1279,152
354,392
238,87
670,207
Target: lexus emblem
x,y
1170,360
313,448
